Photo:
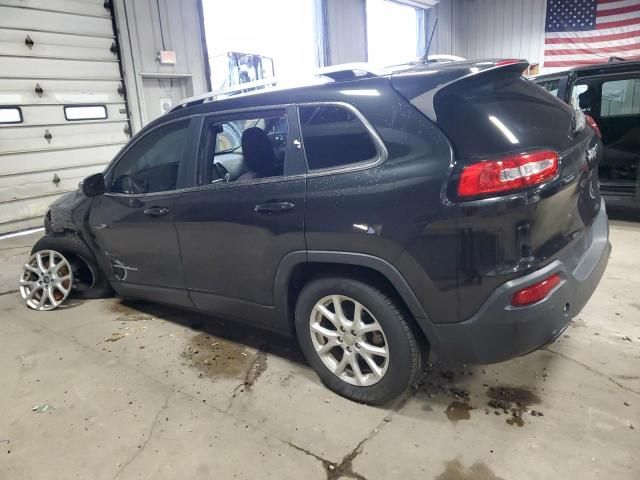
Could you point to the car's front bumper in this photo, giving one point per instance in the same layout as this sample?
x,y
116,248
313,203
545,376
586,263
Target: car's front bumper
x,y
498,331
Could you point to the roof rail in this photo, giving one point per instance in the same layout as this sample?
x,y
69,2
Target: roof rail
x,y
210,96
337,73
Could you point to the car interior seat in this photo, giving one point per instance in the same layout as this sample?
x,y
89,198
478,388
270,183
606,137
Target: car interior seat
x,y
258,155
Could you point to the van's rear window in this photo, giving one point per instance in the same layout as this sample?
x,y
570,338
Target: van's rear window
x,y
498,112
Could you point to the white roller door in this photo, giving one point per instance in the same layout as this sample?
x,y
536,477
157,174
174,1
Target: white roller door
x,y
63,112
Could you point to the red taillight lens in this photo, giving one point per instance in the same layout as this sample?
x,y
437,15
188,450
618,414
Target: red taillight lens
x,y
536,292
510,173
507,61
592,123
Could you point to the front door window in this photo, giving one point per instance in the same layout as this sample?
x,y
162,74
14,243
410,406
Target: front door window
x,y
151,165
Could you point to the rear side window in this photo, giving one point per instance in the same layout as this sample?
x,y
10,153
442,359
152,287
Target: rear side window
x,y
333,136
499,112
620,97
550,86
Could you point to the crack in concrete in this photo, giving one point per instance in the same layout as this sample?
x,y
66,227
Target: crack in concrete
x,y
344,469
141,449
334,471
257,367
254,372
592,370
8,292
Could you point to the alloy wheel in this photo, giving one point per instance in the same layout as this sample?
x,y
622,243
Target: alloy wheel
x,y
46,280
349,340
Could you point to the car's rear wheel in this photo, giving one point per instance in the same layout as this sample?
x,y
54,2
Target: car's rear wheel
x,y
357,339
88,279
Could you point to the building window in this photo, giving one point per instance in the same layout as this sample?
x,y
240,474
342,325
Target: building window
x,y
253,40
85,112
10,115
393,32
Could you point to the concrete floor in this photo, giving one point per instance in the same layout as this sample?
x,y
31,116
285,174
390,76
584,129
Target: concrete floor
x,y
140,391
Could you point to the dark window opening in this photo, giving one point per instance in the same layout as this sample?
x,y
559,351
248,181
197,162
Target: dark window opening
x,y
333,136
152,164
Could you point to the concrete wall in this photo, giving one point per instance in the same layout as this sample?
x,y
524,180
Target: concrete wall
x,y
144,28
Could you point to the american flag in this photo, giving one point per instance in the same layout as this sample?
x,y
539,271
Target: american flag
x,y
583,32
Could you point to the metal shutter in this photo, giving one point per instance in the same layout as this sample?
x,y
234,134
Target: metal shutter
x,y
55,54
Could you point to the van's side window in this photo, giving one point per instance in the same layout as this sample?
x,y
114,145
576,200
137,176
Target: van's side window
x,y
333,136
245,147
620,97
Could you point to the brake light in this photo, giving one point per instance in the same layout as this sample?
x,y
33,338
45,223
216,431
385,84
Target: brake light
x,y
536,292
507,61
592,123
508,174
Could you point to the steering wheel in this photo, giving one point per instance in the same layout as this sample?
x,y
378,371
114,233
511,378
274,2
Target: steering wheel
x,y
127,184
278,140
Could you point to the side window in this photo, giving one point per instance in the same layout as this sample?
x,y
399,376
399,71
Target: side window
x,y
620,97
151,165
333,136
550,86
245,147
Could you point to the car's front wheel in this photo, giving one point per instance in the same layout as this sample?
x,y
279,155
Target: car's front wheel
x,y
88,279
358,339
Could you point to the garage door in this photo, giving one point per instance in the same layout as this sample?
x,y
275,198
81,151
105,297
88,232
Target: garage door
x,y
63,114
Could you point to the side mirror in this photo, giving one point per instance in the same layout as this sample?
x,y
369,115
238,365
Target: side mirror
x,y
93,185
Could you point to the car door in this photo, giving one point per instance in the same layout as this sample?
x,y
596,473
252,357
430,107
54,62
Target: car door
x,y
614,103
132,222
246,214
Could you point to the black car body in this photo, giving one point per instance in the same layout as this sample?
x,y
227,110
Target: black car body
x,y
363,182
610,94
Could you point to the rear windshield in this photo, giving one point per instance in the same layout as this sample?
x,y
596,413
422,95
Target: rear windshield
x,y
499,112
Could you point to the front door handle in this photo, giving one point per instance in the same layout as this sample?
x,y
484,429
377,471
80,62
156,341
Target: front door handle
x,y
274,207
156,211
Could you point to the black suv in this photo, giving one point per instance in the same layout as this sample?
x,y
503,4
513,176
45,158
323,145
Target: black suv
x,y
452,208
610,95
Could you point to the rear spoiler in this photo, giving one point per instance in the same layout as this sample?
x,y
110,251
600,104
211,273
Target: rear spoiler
x,y
421,84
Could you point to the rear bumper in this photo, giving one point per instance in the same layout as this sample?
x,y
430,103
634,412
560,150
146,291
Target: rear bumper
x,y
498,331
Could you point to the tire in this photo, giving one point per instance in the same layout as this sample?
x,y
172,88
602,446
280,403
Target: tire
x,y
403,364
89,281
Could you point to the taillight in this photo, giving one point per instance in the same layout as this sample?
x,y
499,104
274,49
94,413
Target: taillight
x,y
507,61
508,174
536,292
592,123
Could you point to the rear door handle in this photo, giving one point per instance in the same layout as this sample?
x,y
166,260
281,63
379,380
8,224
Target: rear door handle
x,y
156,211
274,207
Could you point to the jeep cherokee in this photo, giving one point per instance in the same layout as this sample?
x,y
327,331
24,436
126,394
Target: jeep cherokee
x,y
450,208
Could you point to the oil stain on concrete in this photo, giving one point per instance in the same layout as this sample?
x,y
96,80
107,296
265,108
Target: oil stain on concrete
x,y
520,396
513,401
138,311
457,411
454,470
218,358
